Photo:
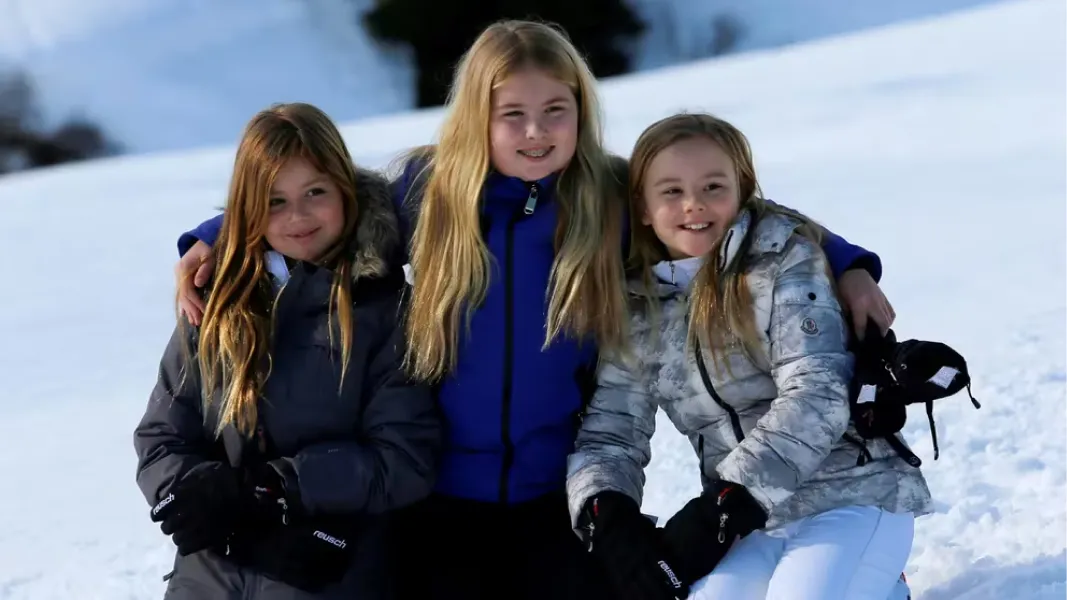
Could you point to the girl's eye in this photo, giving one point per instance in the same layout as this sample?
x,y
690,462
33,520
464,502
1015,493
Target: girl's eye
x,y
555,109
316,192
671,191
714,187
276,202
513,113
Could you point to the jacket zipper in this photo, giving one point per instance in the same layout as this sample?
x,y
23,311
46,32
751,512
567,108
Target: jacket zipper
x,y
509,340
700,453
509,325
735,421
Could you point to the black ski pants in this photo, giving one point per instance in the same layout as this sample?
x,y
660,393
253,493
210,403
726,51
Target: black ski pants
x,y
449,549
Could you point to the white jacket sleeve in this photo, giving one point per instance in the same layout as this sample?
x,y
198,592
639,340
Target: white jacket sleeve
x,y
613,445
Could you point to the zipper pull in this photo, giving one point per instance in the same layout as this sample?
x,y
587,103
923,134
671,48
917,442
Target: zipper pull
x,y
673,282
723,516
590,526
531,201
285,510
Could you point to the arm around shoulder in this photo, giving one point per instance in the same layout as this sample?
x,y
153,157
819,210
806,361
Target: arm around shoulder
x,y
207,232
845,256
811,368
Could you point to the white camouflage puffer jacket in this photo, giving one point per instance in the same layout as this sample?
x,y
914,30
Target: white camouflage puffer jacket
x,y
779,429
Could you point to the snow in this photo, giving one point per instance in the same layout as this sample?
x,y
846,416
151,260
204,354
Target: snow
x,y
682,30
174,74
941,144
161,75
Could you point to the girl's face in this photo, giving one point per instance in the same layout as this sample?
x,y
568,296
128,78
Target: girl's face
x,y
533,128
690,196
307,213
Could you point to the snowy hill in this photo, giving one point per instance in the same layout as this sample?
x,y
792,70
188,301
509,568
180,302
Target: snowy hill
x,y
941,144
177,74
683,30
171,74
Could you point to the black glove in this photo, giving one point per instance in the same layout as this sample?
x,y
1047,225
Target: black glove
x,y
278,539
702,532
200,510
309,553
629,547
267,502
874,400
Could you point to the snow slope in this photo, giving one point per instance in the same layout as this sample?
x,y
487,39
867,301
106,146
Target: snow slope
x,y
941,144
681,30
176,74
170,74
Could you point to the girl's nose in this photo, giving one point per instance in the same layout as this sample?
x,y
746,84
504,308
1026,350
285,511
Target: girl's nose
x,y
691,204
301,208
534,130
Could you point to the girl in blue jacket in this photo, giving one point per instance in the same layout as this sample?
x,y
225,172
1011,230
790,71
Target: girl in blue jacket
x,y
515,224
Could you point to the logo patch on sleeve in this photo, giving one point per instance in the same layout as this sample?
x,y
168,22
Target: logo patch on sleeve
x,y
809,326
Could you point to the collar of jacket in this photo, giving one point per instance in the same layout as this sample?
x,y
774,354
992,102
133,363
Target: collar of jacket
x,y
509,193
679,272
663,287
769,234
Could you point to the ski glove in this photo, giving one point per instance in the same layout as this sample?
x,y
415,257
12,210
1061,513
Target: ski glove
x,y
266,499
277,538
629,547
200,510
702,532
309,553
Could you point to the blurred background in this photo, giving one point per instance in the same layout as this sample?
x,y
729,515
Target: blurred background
x,y
88,78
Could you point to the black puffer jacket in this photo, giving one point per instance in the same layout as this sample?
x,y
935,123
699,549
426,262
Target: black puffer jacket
x,y
365,453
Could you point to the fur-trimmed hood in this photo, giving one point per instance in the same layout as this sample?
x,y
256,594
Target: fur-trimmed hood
x,y
376,244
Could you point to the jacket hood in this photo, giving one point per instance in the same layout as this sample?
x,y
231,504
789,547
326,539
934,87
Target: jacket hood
x,y
376,244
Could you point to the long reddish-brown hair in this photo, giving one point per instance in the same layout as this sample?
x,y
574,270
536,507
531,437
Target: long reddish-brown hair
x,y
235,332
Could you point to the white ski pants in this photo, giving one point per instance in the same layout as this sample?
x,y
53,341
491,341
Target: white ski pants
x,y
853,553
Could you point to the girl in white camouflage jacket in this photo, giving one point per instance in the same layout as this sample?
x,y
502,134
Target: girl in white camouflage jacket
x,y
724,275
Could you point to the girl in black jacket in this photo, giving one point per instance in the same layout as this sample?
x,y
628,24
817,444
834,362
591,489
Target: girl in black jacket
x,y
282,429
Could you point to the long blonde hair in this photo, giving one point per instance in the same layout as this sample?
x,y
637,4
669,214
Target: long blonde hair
x,y
235,332
721,310
449,257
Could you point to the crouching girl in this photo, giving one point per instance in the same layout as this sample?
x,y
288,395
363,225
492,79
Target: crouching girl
x,y
738,335
282,430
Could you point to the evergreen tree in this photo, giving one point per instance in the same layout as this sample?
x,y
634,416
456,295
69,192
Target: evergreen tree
x,y
23,142
440,31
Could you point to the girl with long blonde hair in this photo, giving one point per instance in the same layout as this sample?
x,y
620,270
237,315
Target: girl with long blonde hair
x,y
739,336
282,429
517,224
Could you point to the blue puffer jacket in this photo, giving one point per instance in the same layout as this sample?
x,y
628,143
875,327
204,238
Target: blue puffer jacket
x,y
511,409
